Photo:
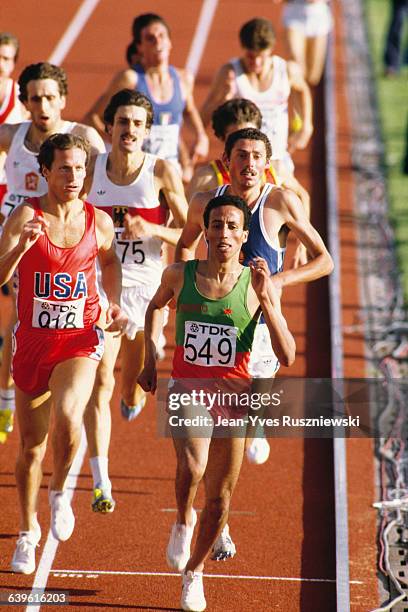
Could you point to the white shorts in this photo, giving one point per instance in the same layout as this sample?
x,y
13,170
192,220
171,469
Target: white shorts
x,y
263,362
134,303
312,19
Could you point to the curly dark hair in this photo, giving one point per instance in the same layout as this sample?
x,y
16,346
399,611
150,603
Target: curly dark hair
x,y
247,134
128,97
238,110
227,200
42,70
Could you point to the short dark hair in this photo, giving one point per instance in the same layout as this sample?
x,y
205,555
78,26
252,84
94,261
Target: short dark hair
x,y
6,38
128,97
142,21
227,200
238,110
247,134
62,142
42,70
257,34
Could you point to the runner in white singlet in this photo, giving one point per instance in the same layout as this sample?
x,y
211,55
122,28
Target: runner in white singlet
x,y
140,192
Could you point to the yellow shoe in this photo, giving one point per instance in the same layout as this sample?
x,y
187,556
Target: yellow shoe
x,y
6,420
296,123
3,437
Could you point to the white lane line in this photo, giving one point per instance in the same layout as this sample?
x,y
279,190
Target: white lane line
x,y
51,545
73,31
200,35
198,510
60,574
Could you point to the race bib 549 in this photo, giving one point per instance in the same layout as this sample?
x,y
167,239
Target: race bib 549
x,y
210,344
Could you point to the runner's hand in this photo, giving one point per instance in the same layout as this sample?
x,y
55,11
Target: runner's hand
x,y
116,320
259,276
147,379
31,232
299,140
135,227
200,151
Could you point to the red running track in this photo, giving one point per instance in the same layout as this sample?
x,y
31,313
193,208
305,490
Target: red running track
x,y
282,512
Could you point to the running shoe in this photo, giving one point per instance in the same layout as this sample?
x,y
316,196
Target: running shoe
x,y
6,420
23,561
102,501
62,517
178,548
192,595
224,548
131,412
258,451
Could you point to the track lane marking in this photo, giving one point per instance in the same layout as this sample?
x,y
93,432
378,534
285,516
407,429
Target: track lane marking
x,y
202,30
59,574
73,31
51,545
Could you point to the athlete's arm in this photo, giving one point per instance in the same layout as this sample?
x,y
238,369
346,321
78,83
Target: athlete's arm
x,y
92,136
20,232
7,131
204,179
193,120
294,216
171,281
94,117
303,104
193,229
111,271
267,296
222,89
170,188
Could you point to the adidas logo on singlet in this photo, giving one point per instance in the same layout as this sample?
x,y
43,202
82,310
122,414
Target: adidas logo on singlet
x,y
101,192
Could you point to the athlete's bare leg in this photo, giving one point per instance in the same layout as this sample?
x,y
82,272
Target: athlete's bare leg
x,y
296,46
33,414
71,385
8,320
192,458
315,58
221,476
132,360
97,417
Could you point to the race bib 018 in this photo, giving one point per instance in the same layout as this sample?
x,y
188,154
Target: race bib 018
x,y
48,314
210,344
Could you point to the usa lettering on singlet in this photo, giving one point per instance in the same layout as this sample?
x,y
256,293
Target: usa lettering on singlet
x,y
56,286
23,174
273,102
141,256
164,134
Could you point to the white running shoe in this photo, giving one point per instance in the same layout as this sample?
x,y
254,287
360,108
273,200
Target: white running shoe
x,y
178,548
62,517
258,451
23,561
192,595
224,548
